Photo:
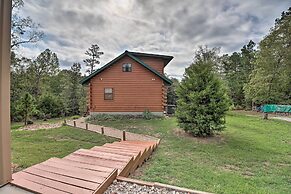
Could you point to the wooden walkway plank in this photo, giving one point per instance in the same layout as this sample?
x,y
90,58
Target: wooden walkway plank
x,y
135,145
113,155
83,165
109,162
147,143
61,178
147,150
135,161
106,183
93,161
86,170
126,169
70,173
115,151
102,155
52,183
121,149
35,187
74,168
126,148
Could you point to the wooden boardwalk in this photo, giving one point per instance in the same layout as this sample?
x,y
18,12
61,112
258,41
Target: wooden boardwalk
x,y
85,170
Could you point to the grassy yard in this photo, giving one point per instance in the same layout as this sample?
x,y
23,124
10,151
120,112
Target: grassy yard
x,y
251,156
31,147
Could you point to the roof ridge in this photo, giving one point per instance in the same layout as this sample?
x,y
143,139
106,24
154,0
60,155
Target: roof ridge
x,y
126,52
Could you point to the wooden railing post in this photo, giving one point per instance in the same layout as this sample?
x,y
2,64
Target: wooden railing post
x,y
5,136
123,135
87,127
75,124
102,130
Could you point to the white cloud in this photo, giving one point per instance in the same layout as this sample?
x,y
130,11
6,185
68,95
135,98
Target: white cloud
x,y
158,26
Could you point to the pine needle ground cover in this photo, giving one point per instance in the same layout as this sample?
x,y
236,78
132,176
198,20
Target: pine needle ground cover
x,y
252,155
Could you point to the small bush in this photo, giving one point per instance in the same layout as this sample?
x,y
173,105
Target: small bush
x,y
147,115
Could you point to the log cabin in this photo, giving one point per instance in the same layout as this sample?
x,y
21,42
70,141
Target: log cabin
x,y
131,83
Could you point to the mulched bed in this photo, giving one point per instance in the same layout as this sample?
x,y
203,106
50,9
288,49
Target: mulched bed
x,y
121,187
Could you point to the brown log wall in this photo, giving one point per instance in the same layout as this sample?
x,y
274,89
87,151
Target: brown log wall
x,y
133,91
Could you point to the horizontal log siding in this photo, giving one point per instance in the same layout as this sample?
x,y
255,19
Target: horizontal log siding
x,y
156,63
133,91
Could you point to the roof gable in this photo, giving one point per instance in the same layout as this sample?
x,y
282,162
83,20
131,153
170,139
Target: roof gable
x,y
130,55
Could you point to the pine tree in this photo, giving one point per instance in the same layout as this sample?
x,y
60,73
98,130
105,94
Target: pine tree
x,y
74,90
202,99
26,106
94,54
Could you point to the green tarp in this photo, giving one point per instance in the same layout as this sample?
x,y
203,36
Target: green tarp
x,y
268,108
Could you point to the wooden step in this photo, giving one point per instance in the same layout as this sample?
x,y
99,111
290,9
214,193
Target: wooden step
x,y
52,183
136,157
85,170
95,161
61,178
82,165
96,154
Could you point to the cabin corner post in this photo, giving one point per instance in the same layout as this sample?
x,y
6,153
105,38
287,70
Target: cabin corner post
x,y
5,136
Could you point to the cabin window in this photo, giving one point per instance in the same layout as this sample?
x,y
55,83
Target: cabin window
x,y
108,93
127,67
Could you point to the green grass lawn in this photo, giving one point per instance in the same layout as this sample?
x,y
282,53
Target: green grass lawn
x,y
32,147
251,156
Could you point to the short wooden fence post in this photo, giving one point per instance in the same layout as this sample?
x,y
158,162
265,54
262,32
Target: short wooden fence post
x,y
74,123
123,136
102,130
65,121
87,127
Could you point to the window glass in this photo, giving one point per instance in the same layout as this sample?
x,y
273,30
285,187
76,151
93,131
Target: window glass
x,y
127,67
108,93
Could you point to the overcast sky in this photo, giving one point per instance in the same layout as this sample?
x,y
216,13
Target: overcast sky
x,y
172,27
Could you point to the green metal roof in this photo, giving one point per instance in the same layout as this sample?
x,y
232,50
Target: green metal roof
x,y
167,58
133,56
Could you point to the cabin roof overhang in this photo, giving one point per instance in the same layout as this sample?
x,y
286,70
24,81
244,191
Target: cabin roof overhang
x,y
134,56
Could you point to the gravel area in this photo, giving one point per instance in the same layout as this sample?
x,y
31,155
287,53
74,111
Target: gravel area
x,y
120,187
282,118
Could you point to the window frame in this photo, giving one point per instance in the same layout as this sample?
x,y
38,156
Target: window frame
x,y
106,94
126,66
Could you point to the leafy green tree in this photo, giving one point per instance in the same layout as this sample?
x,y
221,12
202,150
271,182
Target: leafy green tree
x,y
74,90
23,29
271,81
171,93
44,66
50,106
26,107
236,69
202,99
94,54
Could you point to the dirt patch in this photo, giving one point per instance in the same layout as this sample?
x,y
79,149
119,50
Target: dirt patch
x,y
34,127
230,168
248,174
266,164
283,164
205,140
15,168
